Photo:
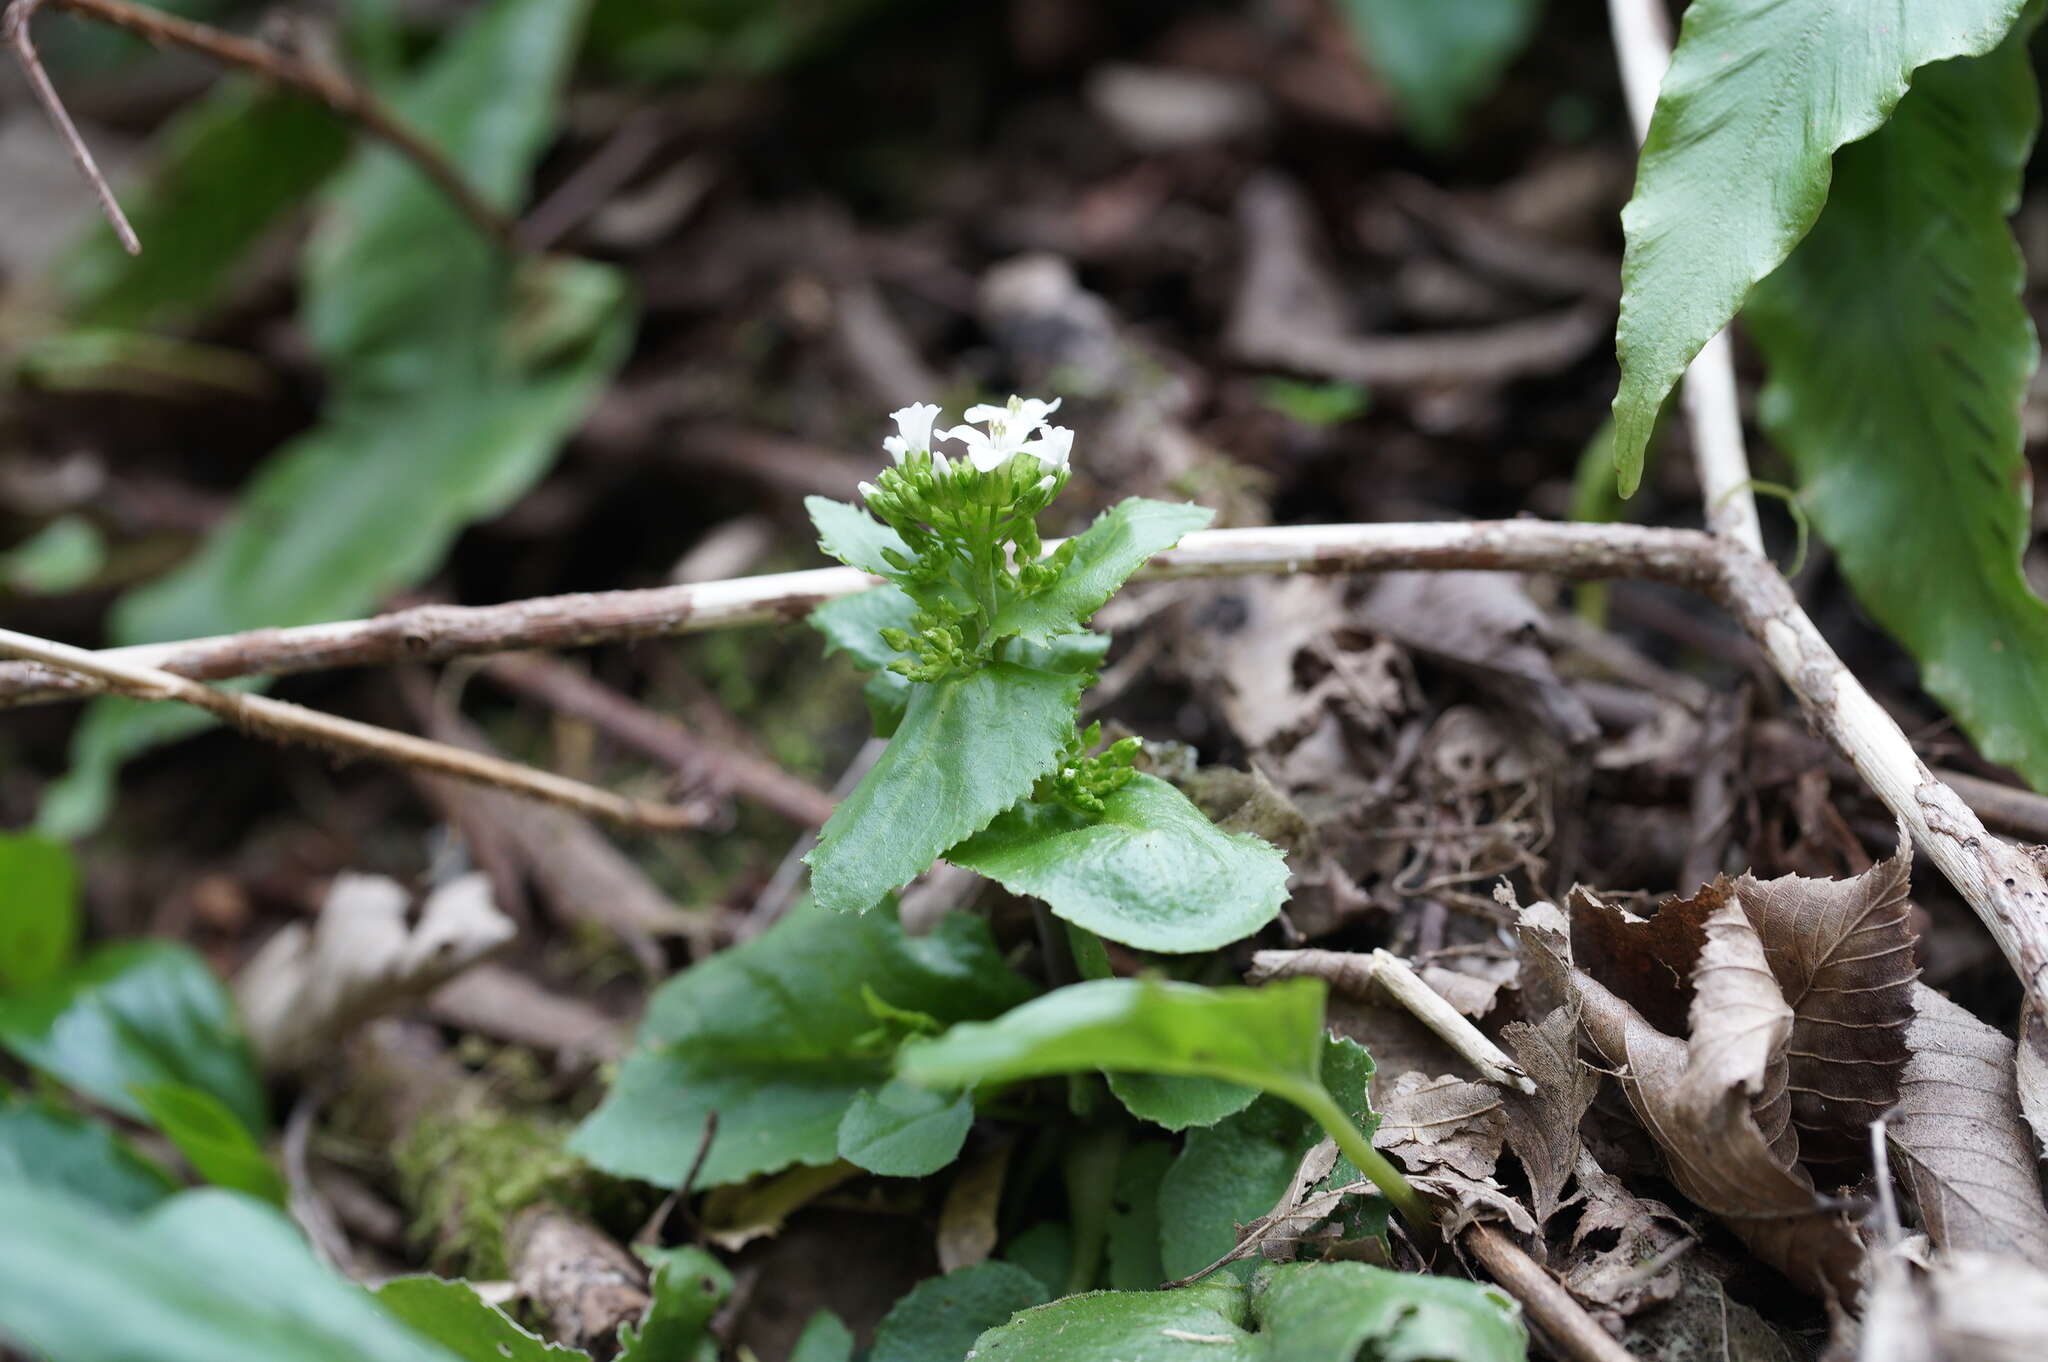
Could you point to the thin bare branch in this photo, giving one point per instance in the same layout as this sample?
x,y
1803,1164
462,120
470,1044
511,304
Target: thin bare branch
x,y
1382,974
2005,886
1570,1331
285,722
295,72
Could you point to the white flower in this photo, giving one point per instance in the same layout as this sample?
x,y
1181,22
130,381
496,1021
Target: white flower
x,y
913,429
868,491
1026,412
988,449
1052,447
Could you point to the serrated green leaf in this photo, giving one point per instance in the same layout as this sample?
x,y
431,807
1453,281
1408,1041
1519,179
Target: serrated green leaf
x,y
854,537
901,1131
1230,1175
776,1036
1105,555
1442,57
968,747
453,380
39,921
853,624
136,1014
688,1287
1179,1103
1150,871
1899,356
61,1151
1760,94
219,1147
1302,1312
939,1319
452,1314
209,1276
1265,1037
225,170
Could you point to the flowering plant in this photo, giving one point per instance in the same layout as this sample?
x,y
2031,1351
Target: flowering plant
x,y
980,652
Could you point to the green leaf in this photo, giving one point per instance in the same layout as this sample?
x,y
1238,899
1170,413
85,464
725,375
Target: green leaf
x,y
939,1319
1046,1251
900,1131
1342,1310
454,1316
454,379
225,170
1134,1263
1303,1312
1440,58
1199,1323
968,747
1234,1173
1260,1036
853,625
210,1276
1735,170
824,1339
39,922
64,1152
688,1287
63,556
1104,557
136,1014
1150,871
776,1036
854,537
1178,1103
218,1146
1899,356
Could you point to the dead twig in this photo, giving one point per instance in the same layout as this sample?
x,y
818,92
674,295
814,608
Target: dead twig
x,y
312,79
282,721
1383,974
1572,1332
2003,884
574,692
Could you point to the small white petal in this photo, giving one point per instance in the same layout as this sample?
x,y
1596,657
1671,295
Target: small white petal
x,y
1045,483
897,446
1052,448
985,452
914,424
867,490
985,411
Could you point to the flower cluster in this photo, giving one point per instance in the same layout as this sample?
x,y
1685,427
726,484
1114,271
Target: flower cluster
x,y
969,521
1082,782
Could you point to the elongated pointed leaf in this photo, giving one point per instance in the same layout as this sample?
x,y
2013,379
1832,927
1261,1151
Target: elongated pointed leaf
x,y
60,1151
454,1316
1899,355
1267,1037
1440,58
218,1146
1735,170
39,922
1150,871
1105,556
967,748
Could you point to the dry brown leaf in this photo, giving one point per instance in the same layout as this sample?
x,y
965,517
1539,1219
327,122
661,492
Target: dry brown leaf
x,y
1444,1121
1543,1128
1638,1269
2031,1068
1962,1150
967,1219
1695,1101
1842,951
1739,1026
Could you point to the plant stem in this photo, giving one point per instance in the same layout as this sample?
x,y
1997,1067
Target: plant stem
x,y
1315,1099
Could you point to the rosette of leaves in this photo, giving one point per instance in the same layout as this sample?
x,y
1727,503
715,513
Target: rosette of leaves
x,y
980,654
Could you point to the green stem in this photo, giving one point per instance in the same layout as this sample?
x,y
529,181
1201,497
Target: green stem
x,y
1315,1099
1090,1167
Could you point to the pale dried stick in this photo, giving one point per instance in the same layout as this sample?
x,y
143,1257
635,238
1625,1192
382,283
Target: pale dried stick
x,y
286,722
1384,974
1564,1322
1642,41
309,78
